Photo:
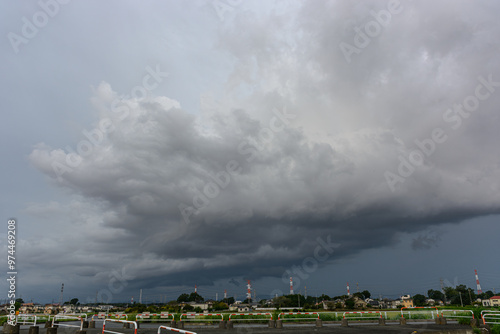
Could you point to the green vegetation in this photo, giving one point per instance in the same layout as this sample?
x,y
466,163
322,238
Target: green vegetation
x,y
254,318
193,297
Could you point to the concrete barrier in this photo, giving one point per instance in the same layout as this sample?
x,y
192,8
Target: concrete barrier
x,y
9,329
402,321
319,323
91,324
51,330
48,324
381,322
33,330
222,324
344,323
181,325
271,324
279,323
229,325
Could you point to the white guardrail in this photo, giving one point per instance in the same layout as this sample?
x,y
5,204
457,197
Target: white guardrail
x,y
445,313
67,317
250,314
81,315
194,315
104,330
26,319
174,330
281,316
147,317
370,315
490,317
420,310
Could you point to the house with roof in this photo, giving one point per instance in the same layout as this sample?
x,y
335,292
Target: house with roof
x,y
492,302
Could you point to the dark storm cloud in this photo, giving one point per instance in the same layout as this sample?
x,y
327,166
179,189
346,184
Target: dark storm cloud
x,y
317,172
426,241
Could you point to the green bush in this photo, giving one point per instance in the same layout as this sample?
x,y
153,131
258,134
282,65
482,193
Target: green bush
x,y
495,329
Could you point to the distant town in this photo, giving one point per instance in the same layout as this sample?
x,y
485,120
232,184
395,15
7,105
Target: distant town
x,y
460,295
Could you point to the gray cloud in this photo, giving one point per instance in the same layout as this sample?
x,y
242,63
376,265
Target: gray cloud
x,y
319,173
426,241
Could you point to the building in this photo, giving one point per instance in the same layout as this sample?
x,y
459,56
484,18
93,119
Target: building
x,y
493,301
52,309
359,303
407,302
27,308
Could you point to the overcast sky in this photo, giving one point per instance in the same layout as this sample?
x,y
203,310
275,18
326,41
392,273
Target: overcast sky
x,y
159,145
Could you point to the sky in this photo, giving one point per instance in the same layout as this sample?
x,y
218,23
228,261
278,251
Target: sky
x,y
159,145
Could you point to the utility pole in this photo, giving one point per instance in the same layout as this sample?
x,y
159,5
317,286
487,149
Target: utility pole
x,y
470,298
461,302
61,298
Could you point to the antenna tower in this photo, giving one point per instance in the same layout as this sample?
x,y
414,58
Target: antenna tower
x,y
478,286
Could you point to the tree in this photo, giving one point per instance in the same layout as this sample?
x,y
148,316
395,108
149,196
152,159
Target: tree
x,y
296,300
349,303
195,297
218,306
419,300
229,300
183,298
188,307
366,293
18,303
459,295
359,295
281,301
486,295
435,294
467,294
152,309
324,297
452,295
74,301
